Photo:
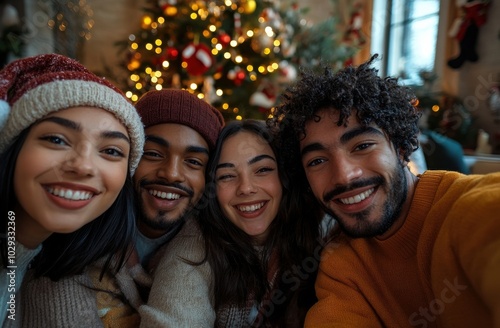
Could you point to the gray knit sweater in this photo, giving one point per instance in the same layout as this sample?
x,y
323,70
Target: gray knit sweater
x,y
10,282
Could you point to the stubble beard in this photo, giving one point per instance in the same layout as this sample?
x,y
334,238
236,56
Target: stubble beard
x,y
396,196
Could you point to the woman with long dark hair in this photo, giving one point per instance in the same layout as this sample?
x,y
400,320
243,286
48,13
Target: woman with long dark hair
x,y
250,259
69,144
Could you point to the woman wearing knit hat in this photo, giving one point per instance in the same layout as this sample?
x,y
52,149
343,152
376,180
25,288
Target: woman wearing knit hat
x,y
69,144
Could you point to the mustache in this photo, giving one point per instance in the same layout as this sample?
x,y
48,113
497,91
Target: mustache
x,y
144,183
356,184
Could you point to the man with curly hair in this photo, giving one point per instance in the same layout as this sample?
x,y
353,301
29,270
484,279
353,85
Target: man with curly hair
x,y
412,251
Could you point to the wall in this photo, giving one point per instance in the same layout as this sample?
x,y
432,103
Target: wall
x,y
472,81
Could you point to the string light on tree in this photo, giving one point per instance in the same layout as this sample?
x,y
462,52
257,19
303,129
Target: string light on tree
x,y
222,51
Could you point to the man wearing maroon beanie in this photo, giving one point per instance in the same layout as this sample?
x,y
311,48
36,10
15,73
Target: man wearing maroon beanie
x,y
180,130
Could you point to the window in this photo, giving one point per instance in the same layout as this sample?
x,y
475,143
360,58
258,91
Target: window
x,y
407,42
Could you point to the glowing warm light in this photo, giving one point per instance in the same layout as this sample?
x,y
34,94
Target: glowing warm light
x,y
228,3
184,64
149,46
193,86
218,46
267,51
148,70
253,77
134,46
133,65
128,94
239,117
233,43
201,96
275,65
435,108
154,25
134,77
219,92
134,98
250,33
158,87
154,79
193,16
261,69
227,55
138,86
146,21
212,28
225,106
277,43
158,42
215,51
238,59
269,31
165,64
158,50
170,11
236,110
161,20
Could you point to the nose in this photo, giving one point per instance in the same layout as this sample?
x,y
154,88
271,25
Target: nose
x,y
246,185
171,170
344,170
81,161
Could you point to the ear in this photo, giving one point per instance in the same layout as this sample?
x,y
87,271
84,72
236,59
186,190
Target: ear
x,y
401,157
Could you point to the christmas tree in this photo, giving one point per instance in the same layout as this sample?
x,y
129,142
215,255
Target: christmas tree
x,y
236,54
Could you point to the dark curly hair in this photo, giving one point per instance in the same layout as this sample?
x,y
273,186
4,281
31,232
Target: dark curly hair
x,y
377,100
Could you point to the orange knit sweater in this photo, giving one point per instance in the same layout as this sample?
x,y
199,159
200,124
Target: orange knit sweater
x,y
441,269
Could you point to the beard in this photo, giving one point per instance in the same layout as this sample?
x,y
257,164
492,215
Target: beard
x,y
396,189
161,220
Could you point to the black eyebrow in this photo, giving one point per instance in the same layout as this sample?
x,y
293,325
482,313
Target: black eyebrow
x,y
259,158
346,137
114,135
164,143
63,122
351,134
157,140
251,161
77,127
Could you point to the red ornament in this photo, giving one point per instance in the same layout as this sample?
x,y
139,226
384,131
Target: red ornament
x,y
198,58
172,52
224,39
237,75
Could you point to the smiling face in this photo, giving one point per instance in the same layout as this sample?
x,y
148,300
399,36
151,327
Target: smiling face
x,y
355,172
170,178
69,171
248,186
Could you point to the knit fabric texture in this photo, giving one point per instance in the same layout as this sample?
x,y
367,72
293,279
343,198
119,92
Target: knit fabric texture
x,y
33,87
181,107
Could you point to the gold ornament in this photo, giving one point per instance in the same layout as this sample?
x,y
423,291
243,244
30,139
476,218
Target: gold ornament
x,y
249,6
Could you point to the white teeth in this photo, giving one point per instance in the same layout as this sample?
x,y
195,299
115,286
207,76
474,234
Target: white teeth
x,y
250,208
70,194
357,198
164,195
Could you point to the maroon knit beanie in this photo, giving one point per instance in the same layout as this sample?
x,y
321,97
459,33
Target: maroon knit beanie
x,y
181,107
